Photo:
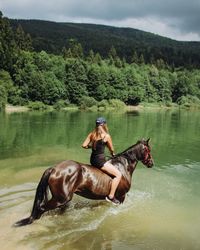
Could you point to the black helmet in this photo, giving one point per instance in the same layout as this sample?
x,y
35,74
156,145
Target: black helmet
x,y
100,121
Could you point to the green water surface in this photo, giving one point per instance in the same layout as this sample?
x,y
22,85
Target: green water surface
x,y
161,211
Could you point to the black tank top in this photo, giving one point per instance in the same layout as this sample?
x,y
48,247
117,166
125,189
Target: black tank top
x,y
97,158
98,147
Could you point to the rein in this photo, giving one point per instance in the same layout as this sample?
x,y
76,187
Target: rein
x,y
132,157
125,155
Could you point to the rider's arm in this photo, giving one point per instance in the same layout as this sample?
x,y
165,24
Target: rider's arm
x,y
87,141
110,144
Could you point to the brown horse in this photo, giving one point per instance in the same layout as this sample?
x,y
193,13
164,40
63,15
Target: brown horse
x,y
69,177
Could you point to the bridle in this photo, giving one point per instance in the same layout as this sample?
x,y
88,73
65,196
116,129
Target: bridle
x,y
147,155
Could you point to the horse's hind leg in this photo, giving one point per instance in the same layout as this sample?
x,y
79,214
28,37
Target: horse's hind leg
x,y
51,204
63,186
60,197
60,203
54,203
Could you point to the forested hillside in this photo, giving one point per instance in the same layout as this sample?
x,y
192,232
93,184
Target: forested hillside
x,y
129,43
79,74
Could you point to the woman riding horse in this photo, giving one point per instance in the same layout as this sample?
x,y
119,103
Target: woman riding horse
x,y
69,177
98,139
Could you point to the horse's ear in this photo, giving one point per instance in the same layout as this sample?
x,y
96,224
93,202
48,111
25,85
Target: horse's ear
x,y
148,141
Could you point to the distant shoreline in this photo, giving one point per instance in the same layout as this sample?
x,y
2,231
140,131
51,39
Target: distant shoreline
x,y
16,109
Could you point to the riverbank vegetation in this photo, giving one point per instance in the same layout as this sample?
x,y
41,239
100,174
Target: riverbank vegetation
x,y
39,79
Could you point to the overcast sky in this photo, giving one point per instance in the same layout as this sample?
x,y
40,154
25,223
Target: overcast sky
x,y
176,19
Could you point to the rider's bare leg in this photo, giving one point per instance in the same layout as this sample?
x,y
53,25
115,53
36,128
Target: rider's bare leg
x,y
110,169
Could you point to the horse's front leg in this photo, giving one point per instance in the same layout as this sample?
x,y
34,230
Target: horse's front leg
x,y
121,198
123,189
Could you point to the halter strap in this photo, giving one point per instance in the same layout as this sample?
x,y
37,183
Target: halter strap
x,y
147,152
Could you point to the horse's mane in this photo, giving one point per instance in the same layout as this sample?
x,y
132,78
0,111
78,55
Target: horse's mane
x,y
126,150
126,153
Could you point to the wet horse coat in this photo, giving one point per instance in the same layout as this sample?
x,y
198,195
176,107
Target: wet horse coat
x,y
69,177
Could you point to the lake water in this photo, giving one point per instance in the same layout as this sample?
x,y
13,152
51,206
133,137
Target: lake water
x,y
161,211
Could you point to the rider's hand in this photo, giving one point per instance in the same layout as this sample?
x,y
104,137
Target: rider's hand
x,y
113,154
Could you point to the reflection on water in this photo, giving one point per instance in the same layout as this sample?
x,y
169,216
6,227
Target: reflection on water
x,y
161,211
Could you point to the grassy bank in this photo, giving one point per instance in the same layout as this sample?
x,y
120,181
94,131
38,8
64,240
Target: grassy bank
x,y
114,107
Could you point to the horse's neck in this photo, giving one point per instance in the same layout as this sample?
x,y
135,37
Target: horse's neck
x,y
135,153
125,166
132,167
132,157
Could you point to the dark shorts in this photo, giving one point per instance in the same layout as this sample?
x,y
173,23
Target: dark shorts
x,y
97,160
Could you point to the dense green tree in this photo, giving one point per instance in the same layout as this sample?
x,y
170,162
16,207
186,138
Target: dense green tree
x,y
164,90
181,87
23,40
134,58
112,53
76,49
94,80
3,97
101,88
195,80
75,80
38,78
67,53
150,91
98,59
136,89
141,59
117,85
8,47
10,92
160,64
6,85
6,80
58,67
91,56
54,89
124,62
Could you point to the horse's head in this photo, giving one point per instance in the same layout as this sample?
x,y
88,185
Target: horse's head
x,y
146,157
140,151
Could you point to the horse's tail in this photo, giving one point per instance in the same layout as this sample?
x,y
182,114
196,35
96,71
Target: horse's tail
x,y
40,199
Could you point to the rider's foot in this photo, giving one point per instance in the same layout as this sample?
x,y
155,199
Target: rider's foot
x,y
113,200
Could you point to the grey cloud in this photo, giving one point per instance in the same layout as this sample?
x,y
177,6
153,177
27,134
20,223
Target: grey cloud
x,y
182,14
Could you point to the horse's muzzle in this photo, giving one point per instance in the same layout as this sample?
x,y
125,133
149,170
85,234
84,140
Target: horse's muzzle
x,y
150,163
